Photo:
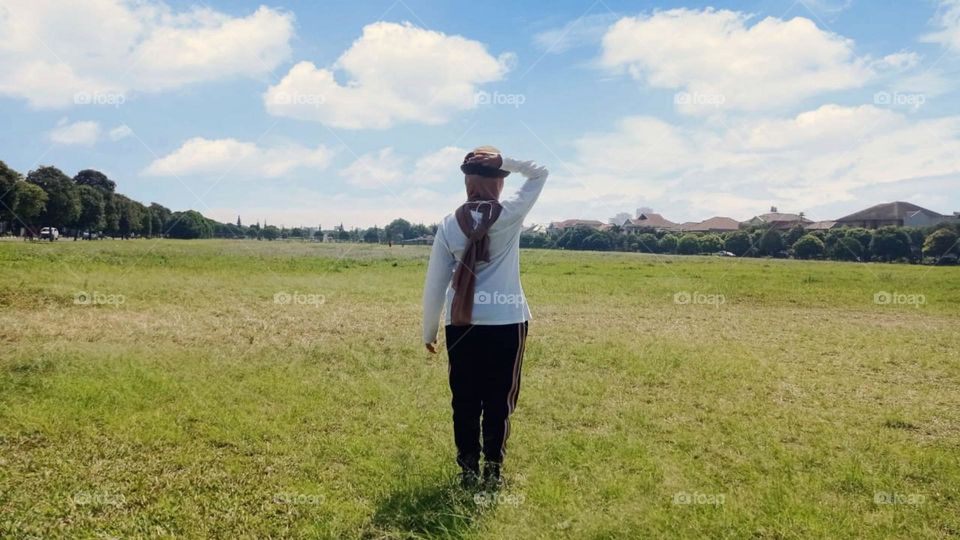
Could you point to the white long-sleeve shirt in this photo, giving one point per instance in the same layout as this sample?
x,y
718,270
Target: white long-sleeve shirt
x,y
498,296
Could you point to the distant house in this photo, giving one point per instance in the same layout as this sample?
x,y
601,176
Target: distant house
x,y
821,225
777,220
650,221
536,228
712,225
560,226
898,214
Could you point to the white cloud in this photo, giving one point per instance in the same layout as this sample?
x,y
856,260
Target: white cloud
x,y
392,73
200,156
768,65
440,166
57,54
385,168
947,23
816,158
120,132
375,169
83,133
582,31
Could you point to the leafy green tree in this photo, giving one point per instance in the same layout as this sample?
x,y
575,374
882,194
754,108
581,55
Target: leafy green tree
x,y
159,219
738,243
534,240
668,244
889,244
847,248
597,241
95,179
111,214
794,234
189,225
574,237
710,243
688,245
9,179
270,233
399,229
372,235
647,243
63,200
771,243
864,236
808,247
941,243
130,212
91,209
31,203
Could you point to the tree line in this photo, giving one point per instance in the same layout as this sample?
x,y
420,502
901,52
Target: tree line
x,y
936,244
88,205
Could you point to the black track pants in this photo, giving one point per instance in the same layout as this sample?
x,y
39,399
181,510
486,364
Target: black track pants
x,y
485,363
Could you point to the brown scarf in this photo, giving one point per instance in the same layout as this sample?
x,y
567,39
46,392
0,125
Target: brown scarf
x,y
477,249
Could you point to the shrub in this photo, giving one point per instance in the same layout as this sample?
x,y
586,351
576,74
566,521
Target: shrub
x,y
738,243
940,243
534,240
647,243
688,245
846,249
889,244
710,243
808,247
189,225
668,244
794,234
597,242
771,243
863,236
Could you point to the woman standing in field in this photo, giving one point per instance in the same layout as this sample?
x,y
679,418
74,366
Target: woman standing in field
x,y
474,275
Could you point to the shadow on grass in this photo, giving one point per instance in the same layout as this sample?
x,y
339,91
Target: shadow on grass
x,y
435,509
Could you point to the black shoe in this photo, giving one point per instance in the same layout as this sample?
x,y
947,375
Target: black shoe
x,y
492,480
469,479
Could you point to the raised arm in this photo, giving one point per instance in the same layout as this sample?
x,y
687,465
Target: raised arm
x,y
522,201
439,273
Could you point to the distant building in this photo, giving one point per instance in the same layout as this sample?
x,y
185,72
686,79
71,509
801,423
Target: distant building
x,y
559,226
620,219
821,225
777,220
713,225
650,221
898,214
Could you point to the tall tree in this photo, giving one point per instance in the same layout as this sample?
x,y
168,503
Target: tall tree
x,y
8,193
31,203
63,199
95,179
91,209
160,219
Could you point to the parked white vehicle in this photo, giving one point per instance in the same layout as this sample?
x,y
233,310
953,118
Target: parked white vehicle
x,y
49,233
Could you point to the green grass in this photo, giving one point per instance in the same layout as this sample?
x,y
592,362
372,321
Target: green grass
x,y
199,407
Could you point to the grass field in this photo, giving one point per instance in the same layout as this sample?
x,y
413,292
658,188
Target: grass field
x,y
251,389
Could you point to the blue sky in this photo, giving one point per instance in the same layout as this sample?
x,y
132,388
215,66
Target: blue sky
x,y
307,113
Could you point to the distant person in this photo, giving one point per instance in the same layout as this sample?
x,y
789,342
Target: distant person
x,y
474,275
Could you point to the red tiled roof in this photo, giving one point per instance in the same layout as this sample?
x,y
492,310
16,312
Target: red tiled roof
x,y
716,223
